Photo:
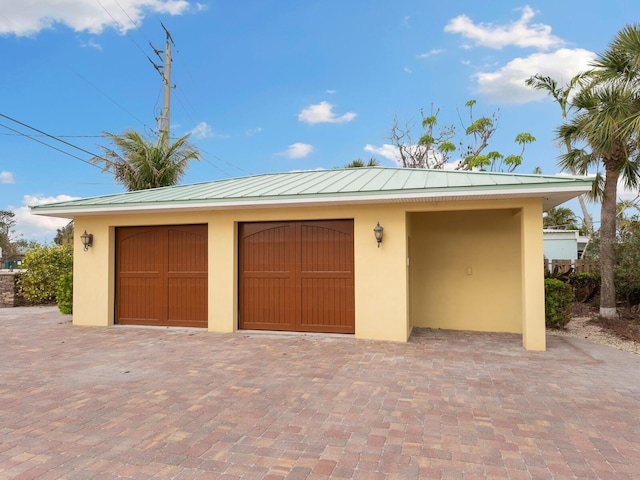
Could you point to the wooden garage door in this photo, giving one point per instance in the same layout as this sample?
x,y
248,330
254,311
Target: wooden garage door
x,y
297,276
162,276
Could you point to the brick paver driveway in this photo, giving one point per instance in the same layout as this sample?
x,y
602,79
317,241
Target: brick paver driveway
x,y
123,402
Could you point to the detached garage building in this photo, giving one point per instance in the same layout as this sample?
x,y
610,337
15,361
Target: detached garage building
x,y
297,252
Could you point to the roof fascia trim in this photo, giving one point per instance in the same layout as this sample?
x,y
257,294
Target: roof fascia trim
x,y
309,201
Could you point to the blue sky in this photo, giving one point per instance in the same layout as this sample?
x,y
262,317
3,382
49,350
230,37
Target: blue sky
x,y
272,86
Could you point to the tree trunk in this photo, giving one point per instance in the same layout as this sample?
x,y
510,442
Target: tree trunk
x,y
585,215
586,218
607,243
587,223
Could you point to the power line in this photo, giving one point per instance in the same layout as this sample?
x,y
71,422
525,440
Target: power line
x,y
189,74
134,23
122,27
46,144
93,155
163,74
113,101
50,182
58,136
227,163
184,64
48,135
195,112
185,109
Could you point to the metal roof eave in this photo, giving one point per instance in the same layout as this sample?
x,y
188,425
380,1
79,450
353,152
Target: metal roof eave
x,y
552,196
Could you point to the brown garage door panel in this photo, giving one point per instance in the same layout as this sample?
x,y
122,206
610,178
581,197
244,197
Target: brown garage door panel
x,y
327,304
162,275
138,250
266,285
327,247
187,301
138,302
326,272
187,249
266,304
266,248
297,276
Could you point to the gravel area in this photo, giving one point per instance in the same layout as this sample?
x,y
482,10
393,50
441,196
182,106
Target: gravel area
x,y
580,327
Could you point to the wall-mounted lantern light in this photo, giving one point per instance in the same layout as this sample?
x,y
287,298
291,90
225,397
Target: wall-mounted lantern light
x,y
87,240
378,233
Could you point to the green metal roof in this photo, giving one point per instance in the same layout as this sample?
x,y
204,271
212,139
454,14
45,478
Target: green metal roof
x,y
353,185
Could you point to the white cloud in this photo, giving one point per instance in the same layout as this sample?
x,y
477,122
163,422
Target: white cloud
x,y
520,33
330,92
36,227
387,151
407,70
201,7
625,193
203,130
6,177
298,150
91,44
253,131
323,113
430,53
506,85
82,15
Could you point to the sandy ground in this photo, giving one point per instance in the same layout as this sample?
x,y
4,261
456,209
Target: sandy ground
x,y
581,328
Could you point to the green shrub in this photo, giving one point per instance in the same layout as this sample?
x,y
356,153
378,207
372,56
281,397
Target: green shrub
x,y
585,285
627,268
64,293
43,268
558,297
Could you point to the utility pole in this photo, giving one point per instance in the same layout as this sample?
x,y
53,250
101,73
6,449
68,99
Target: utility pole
x,y
164,122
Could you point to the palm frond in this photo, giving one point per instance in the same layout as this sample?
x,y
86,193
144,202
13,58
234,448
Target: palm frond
x,y
139,164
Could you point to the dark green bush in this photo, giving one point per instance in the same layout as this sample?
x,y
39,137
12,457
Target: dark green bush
x,y
585,285
627,267
64,293
43,268
558,297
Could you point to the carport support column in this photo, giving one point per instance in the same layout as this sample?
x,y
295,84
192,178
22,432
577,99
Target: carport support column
x,y
532,254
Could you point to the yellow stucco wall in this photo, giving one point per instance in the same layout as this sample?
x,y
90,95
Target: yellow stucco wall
x,y
384,308
533,321
466,270
380,310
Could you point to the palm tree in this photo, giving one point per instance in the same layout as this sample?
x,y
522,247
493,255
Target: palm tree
x,y
560,218
358,162
561,95
139,164
603,109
